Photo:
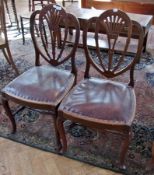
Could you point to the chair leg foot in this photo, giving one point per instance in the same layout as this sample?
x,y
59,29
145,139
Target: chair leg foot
x,y
22,29
6,56
124,150
11,60
58,143
61,131
70,31
63,3
9,113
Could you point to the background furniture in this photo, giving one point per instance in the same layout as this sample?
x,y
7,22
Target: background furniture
x,y
99,103
11,8
83,14
64,1
133,6
24,19
43,87
33,3
4,45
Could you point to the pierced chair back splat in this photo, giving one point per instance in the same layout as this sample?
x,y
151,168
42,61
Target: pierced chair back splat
x,y
44,86
101,103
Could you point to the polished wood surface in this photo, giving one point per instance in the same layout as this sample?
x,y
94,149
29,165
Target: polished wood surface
x,y
18,159
49,95
95,102
83,14
136,6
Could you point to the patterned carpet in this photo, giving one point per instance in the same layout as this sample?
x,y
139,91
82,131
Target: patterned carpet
x,y
100,149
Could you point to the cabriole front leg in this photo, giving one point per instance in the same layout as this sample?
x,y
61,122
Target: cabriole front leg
x,y
124,149
58,143
61,131
9,113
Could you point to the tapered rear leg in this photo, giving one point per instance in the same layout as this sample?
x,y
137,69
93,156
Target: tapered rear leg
x,y
124,149
11,60
9,113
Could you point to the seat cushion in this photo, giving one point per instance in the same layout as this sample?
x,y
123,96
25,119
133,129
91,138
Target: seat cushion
x,y
44,84
101,100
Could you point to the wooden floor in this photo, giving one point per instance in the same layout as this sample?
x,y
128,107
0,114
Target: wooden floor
x,y
18,159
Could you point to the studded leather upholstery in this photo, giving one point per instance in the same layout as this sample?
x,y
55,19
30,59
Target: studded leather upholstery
x,y
44,84
104,101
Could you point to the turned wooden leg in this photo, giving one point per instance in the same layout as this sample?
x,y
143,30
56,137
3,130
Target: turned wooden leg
x,y
22,30
15,14
152,153
150,164
33,6
8,12
11,60
6,56
124,150
63,3
62,133
9,113
70,31
59,146
29,4
145,42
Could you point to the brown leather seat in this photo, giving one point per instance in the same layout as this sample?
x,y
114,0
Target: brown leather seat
x,y
44,86
103,100
101,103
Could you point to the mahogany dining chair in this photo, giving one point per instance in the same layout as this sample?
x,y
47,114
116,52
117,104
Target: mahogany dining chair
x,y
104,103
44,86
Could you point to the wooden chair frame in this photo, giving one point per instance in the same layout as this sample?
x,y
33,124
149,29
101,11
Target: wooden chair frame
x,y
113,21
56,14
5,44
